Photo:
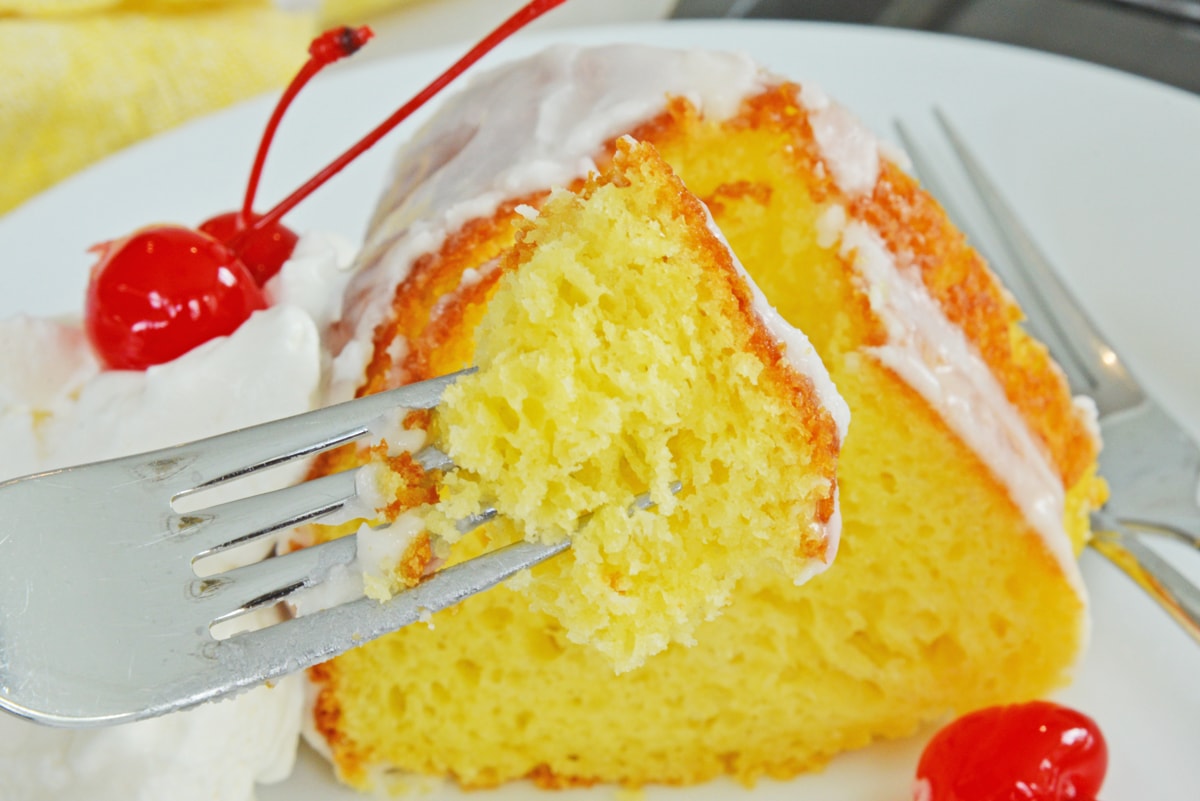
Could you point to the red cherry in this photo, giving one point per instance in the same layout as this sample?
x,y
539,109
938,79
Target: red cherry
x,y
162,291
262,250
1039,751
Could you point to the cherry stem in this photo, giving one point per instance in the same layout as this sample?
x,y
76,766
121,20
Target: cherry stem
x,y
332,45
527,14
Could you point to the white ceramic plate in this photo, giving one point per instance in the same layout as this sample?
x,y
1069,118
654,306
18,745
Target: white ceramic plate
x,y
1103,166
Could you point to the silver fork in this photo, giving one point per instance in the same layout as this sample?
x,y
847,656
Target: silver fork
x,y
103,618
1151,463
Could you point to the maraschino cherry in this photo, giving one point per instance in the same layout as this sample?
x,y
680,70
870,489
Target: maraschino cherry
x,y
138,314
164,290
1038,751
160,292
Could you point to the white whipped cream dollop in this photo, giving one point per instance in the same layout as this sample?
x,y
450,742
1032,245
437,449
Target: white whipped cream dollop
x,y
58,408
216,752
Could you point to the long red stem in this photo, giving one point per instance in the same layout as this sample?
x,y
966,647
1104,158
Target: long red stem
x,y
310,68
331,46
528,13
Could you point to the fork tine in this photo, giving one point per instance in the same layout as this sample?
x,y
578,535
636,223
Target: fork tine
x,y
1015,280
1091,364
1154,574
932,178
1151,462
245,588
302,642
228,456
208,531
233,592
211,530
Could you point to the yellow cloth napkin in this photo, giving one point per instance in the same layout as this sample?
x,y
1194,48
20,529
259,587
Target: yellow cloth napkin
x,y
82,78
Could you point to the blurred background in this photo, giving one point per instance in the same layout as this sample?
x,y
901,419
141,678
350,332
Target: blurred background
x,y
80,79
1159,39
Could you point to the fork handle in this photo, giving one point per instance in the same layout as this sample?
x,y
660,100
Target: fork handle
x,y
1169,588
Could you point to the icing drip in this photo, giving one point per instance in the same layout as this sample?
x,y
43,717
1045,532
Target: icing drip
x,y
935,358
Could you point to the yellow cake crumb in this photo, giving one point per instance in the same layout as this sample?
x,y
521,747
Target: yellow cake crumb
x,y
617,358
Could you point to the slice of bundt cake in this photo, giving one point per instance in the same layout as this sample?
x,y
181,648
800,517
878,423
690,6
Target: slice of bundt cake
x,y
623,353
965,481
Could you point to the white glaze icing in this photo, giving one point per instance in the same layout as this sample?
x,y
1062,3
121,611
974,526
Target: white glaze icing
x,y
1085,408
381,549
848,149
522,128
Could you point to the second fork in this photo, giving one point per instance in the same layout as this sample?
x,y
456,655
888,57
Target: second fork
x,y
1151,463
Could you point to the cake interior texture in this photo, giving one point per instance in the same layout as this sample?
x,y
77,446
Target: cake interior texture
x,y
620,356
944,596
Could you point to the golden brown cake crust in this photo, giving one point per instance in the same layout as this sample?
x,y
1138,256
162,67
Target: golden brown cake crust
x,y
433,277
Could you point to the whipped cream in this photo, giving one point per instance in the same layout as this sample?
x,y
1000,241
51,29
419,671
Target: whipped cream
x,y
58,408
216,752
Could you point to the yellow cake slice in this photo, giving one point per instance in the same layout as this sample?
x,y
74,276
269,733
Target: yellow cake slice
x,y
593,391
965,480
